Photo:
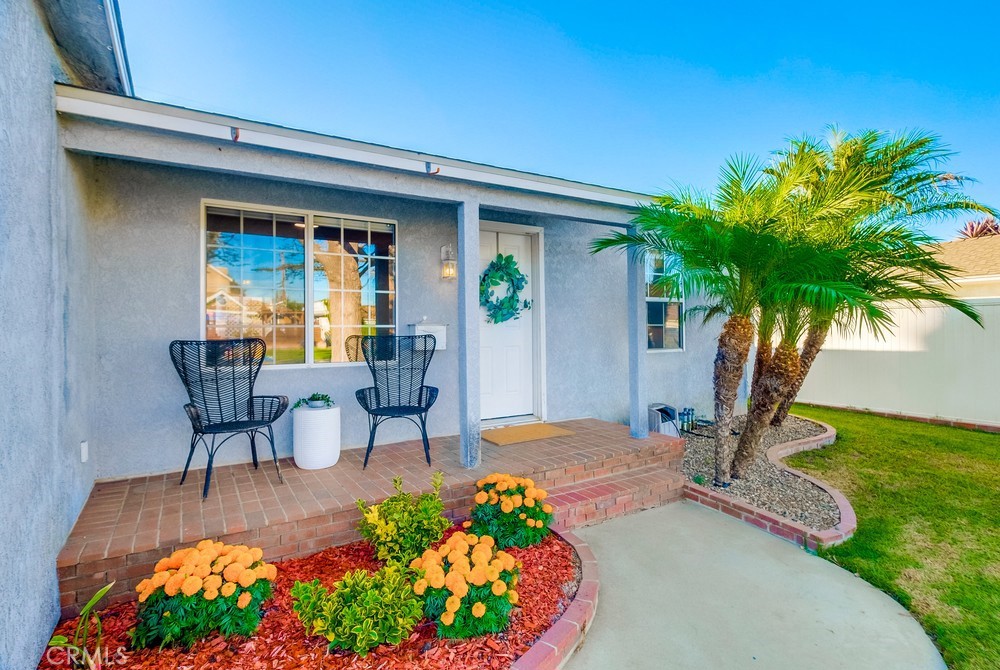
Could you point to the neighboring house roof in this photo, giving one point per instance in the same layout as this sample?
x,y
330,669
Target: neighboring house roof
x,y
88,35
975,257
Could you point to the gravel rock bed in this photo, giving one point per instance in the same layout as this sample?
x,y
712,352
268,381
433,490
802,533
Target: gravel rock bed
x,y
765,485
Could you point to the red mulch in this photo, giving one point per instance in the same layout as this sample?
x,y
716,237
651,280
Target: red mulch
x,y
548,581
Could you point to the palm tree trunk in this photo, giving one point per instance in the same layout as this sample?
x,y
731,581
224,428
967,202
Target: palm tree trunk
x,y
734,347
810,348
781,372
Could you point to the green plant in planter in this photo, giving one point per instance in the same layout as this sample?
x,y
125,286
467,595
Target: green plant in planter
x,y
314,400
362,612
78,654
402,527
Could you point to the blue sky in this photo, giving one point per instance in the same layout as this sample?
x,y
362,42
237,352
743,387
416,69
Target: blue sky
x,y
640,96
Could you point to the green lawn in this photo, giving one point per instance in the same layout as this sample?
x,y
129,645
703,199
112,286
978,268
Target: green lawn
x,y
928,505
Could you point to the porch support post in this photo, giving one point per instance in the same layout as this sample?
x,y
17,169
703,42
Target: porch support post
x,y
638,404
468,333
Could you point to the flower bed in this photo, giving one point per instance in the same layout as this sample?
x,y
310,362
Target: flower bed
x,y
548,580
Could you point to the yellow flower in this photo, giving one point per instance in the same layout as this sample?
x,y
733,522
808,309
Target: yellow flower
x,y
202,570
160,578
530,492
448,618
471,539
436,580
466,524
517,499
247,578
210,594
492,574
512,596
191,586
455,556
498,588
481,497
416,564
212,583
529,502
243,600
478,576
507,506
460,589
162,565
522,516
228,589
531,523
204,544
256,554
420,586
547,508
487,540
272,571
143,585
452,603
478,610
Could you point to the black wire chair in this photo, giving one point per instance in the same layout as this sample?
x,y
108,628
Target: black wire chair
x,y
398,365
219,376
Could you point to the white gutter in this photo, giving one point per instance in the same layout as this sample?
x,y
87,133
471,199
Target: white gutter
x,y
113,15
157,116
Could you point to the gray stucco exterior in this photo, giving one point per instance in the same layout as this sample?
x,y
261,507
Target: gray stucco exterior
x,y
144,222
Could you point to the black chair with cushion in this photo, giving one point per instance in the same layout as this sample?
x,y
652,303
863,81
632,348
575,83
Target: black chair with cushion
x,y
219,376
398,365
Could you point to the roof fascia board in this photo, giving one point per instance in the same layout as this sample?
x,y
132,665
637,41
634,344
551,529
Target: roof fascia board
x,y
105,107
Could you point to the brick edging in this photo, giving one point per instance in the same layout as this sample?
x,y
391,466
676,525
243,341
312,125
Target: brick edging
x,y
776,524
553,649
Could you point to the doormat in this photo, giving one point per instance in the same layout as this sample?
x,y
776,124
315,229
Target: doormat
x,y
524,433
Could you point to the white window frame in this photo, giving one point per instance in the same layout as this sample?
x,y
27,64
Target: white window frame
x,y
682,301
308,215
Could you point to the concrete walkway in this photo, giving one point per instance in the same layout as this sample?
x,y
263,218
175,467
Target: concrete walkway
x,y
684,587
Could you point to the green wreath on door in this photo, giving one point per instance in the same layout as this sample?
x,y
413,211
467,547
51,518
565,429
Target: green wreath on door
x,y
502,270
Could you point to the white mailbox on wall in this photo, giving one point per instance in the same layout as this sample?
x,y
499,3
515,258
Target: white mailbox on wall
x,y
438,330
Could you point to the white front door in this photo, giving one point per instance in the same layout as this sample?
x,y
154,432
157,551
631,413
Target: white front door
x,y
506,349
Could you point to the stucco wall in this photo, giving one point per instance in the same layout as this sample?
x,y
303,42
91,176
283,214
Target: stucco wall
x,y
45,357
147,266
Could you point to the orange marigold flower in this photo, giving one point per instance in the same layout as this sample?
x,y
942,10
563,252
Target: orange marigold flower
x,y
212,583
191,586
245,559
272,571
261,571
517,499
503,486
513,581
531,523
530,492
522,516
144,595
228,589
492,574
508,561
481,497
460,589
466,524
529,502
416,564
247,578
494,498
243,600
455,556
232,572
507,506
541,494
143,585
162,565
478,610
498,588
436,581
487,540
461,546
547,508
160,578
452,603
420,586
448,618
528,482
210,594
512,596
471,539
478,576
256,554
173,585
430,557
202,570
204,544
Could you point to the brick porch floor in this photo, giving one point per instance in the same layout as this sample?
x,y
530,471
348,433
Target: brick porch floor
x,y
127,525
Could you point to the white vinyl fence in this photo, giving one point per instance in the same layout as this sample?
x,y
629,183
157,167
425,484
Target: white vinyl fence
x,y
936,364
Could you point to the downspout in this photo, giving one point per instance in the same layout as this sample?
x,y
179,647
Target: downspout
x,y
114,18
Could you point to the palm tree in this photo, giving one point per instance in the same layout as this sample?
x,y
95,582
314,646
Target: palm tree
x,y
886,185
733,250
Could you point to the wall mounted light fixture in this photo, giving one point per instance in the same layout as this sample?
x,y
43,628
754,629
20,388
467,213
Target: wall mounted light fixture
x,y
449,263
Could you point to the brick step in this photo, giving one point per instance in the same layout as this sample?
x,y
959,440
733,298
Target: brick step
x,y
591,501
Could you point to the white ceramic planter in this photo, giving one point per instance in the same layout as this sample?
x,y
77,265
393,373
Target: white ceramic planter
x,y
316,437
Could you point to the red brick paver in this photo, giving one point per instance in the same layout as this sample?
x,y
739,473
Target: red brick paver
x,y
126,526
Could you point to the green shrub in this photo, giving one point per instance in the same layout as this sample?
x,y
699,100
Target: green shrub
x,y
510,510
401,527
468,586
203,590
363,610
